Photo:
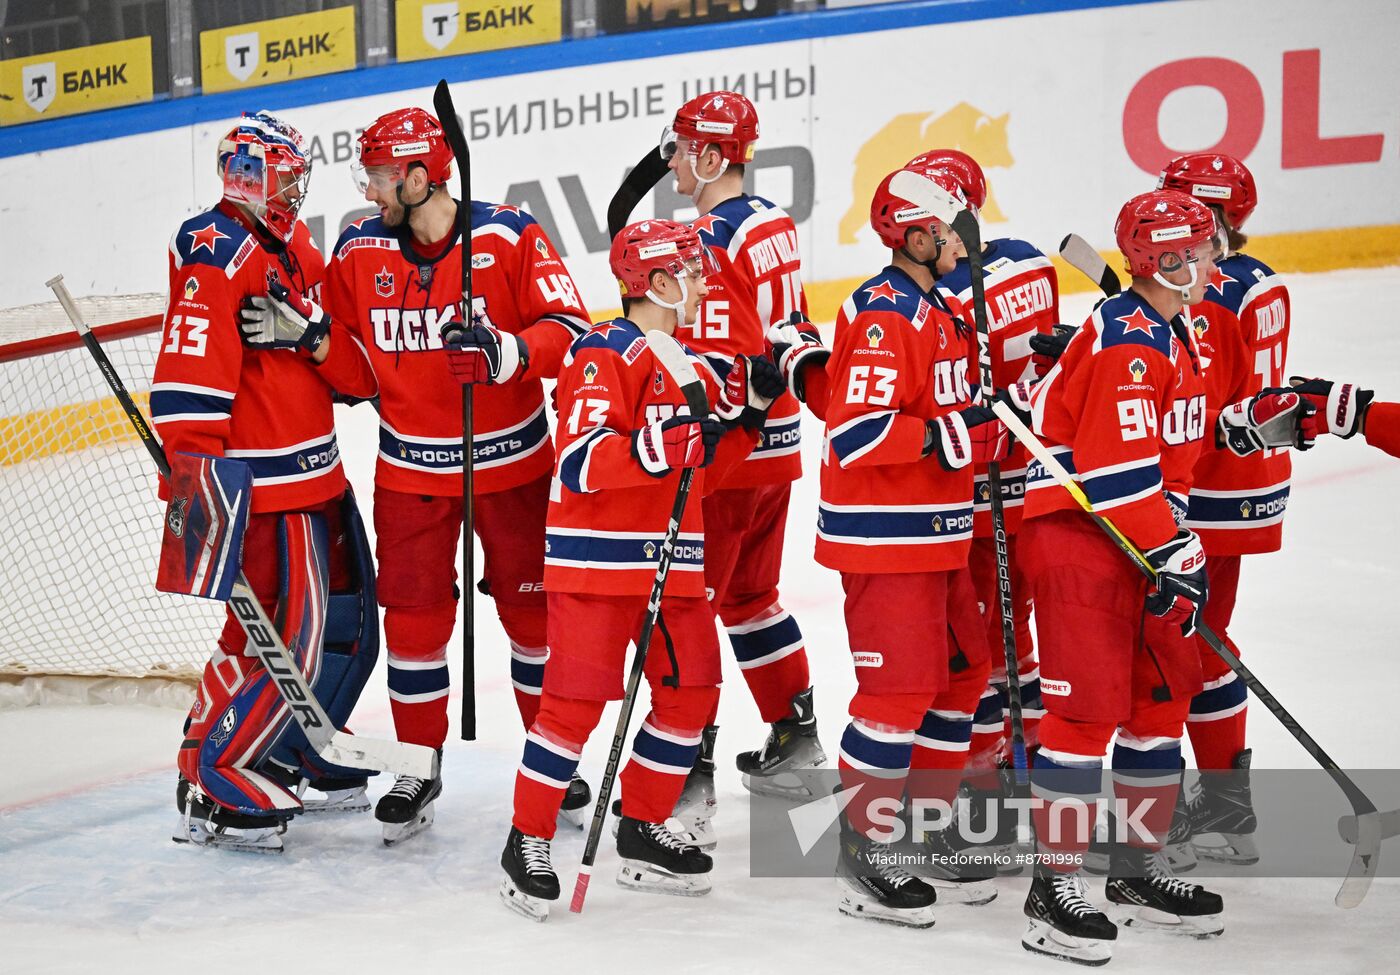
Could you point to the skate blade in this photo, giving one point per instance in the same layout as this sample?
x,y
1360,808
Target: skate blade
x,y
858,906
1042,939
336,803
780,785
534,908
1149,919
267,841
647,877
972,893
1236,848
1181,857
396,833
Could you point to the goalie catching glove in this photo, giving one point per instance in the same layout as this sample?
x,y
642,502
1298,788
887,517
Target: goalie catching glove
x,y
1340,407
482,353
749,390
1270,418
283,320
677,442
1182,587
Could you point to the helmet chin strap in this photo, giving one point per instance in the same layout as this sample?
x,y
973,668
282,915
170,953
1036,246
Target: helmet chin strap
x,y
679,306
410,207
1185,289
700,181
938,244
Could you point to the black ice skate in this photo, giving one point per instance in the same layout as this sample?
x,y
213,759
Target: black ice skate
x,y
407,808
960,875
204,822
695,809
1142,879
981,805
1222,815
657,860
578,797
1063,923
530,882
792,745
874,886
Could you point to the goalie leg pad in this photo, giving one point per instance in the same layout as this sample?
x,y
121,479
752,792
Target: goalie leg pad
x,y
201,550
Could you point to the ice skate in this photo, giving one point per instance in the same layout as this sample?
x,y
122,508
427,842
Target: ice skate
x,y
981,805
578,799
205,823
960,876
695,809
407,808
874,886
1222,816
792,746
656,860
1142,879
530,882
1063,923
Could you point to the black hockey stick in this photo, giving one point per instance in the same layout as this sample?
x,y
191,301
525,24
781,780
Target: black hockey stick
x,y
915,188
1080,255
965,226
328,741
452,130
674,360
636,184
1368,823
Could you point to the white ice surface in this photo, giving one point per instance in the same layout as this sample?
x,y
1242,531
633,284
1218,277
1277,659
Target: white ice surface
x,y
89,879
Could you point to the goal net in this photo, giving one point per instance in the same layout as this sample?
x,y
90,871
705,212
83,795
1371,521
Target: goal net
x,y
80,520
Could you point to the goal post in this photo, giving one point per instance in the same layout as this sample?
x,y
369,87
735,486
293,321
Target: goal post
x,y
79,515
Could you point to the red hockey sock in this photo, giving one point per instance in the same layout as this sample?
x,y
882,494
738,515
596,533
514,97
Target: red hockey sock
x,y
527,677
773,660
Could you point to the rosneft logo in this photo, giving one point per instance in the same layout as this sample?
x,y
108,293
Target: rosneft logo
x,y
590,372
1138,368
874,334
1246,508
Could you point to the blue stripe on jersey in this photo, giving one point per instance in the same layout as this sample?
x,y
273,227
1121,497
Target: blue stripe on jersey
x,y
571,465
1119,486
543,763
779,436
492,449
1237,509
662,754
852,439
170,403
1037,476
927,524
862,750
1013,489
640,551
294,463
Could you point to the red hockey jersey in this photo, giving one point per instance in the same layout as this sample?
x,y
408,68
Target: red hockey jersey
x,y
1023,298
898,360
1124,410
1238,503
758,283
607,515
395,300
212,394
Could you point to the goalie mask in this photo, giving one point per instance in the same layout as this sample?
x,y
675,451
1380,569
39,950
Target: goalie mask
x,y
264,167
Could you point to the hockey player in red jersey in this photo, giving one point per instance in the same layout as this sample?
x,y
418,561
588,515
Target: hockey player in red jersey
x,y
1237,503
242,337
1124,409
757,285
896,521
624,436
395,281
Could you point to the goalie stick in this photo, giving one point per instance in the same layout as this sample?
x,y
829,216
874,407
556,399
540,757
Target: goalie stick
x,y
915,188
1081,256
327,741
452,131
677,364
1368,822
636,184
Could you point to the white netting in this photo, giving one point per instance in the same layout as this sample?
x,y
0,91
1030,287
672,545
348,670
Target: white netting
x,y
79,516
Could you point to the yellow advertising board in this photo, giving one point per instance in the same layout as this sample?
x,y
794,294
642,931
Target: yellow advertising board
x,y
80,79
268,51
438,28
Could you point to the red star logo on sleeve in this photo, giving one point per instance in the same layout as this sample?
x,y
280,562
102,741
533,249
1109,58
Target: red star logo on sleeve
x,y
885,290
1218,279
705,224
607,328
1138,322
501,208
207,237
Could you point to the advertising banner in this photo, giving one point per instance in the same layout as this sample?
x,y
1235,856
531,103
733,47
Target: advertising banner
x,y
437,28
80,79
268,51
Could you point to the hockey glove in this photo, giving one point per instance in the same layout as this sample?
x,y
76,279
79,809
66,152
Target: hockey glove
x,y
483,354
1270,418
1340,407
283,320
681,441
749,390
797,346
1047,347
1181,581
973,435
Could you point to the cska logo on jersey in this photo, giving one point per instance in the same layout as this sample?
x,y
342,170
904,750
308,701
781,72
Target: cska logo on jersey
x,y
590,373
384,282
658,385
874,334
271,277
1138,368
942,337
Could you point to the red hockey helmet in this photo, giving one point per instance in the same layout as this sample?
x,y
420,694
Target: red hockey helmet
x,y
409,135
1164,230
655,245
1214,178
724,119
265,168
963,167
892,216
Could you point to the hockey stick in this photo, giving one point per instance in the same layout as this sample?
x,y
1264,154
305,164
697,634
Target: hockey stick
x,y
636,184
1348,826
1079,255
452,131
327,741
1366,857
965,226
676,363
